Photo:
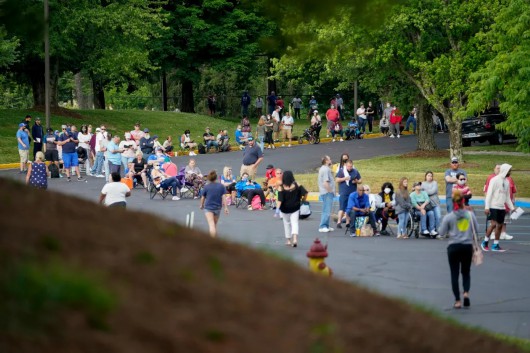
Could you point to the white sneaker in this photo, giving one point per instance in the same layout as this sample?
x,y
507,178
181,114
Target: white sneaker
x,y
332,140
192,153
323,230
341,139
330,229
283,144
391,136
506,236
175,198
425,232
433,233
327,135
289,145
399,136
100,176
184,189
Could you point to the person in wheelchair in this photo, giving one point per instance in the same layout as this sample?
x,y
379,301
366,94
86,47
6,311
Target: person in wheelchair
x,y
352,130
162,181
316,123
385,210
248,189
422,207
359,206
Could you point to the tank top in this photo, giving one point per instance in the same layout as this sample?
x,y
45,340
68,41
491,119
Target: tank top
x,y
38,177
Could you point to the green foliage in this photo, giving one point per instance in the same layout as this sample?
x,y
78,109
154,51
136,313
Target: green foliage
x,y
8,48
505,77
33,295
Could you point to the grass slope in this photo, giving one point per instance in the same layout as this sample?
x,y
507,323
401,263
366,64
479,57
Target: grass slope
x,y
178,290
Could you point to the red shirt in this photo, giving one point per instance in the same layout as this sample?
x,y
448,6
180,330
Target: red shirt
x,y
395,118
279,103
333,115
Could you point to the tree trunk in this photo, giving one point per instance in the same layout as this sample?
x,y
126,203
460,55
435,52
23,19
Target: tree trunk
x,y
82,102
99,94
187,105
164,91
271,83
425,127
36,77
455,136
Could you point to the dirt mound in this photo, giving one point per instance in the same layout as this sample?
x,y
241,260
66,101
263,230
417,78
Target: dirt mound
x,y
59,111
177,290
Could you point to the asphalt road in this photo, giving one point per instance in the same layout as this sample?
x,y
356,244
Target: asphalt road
x,y
414,269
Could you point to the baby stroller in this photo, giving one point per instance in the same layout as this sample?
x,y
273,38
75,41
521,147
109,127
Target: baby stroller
x,y
310,134
353,131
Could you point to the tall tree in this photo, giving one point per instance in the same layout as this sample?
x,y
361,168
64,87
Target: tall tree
x,y
223,34
506,76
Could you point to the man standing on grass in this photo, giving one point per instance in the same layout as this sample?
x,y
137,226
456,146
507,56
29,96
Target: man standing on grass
x,y
332,116
326,188
23,146
497,196
450,180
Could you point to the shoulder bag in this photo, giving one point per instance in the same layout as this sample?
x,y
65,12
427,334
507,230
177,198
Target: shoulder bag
x,y
478,256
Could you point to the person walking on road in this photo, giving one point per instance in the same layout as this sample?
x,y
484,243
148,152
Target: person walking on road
x,y
458,226
326,188
290,199
497,196
212,200
450,180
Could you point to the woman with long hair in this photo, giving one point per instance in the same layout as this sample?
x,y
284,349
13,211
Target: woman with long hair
x,y
289,201
229,182
84,138
431,188
212,200
260,132
460,225
385,209
403,207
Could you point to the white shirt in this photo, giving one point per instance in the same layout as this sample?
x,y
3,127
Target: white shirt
x,y
128,152
288,122
84,140
361,112
115,192
276,116
99,138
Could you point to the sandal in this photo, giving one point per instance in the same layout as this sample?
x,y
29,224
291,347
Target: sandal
x,y
457,305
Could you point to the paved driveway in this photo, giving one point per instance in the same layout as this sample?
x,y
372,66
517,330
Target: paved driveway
x,y
415,269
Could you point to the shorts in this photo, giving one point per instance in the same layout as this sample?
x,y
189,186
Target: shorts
x,y
497,215
114,168
343,202
52,156
24,155
70,160
287,133
330,124
215,212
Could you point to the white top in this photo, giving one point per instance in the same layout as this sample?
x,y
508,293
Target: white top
x,y
115,192
361,112
84,140
288,122
276,116
128,152
99,137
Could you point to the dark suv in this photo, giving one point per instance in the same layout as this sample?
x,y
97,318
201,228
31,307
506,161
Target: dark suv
x,y
483,128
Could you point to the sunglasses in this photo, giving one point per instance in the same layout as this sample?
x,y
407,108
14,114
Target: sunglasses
x,y
367,190
463,179
454,162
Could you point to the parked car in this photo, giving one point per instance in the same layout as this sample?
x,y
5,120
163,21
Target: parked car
x,y
484,128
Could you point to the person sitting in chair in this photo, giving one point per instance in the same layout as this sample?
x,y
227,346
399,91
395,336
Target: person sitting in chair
x,y
210,140
247,188
359,206
163,181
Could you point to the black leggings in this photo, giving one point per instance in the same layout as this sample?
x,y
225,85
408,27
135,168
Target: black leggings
x,y
249,194
459,256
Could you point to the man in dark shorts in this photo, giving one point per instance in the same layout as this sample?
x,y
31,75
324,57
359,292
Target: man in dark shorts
x,y
252,157
348,178
497,196
51,140
69,142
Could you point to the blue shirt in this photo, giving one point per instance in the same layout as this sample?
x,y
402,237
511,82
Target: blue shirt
x,y
70,146
449,186
239,134
213,194
23,135
345,189
114,158
358,202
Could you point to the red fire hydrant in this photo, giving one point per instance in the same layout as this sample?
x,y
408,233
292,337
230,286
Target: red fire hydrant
x,y
316,254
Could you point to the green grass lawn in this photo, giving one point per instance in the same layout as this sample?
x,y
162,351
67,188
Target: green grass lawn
x,y
376,171
162,124
507,147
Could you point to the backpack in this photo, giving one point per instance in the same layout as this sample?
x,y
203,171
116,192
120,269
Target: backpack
x,y
201,149
256,203
54,171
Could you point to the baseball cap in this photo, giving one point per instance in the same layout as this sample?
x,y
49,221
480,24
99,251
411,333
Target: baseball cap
x,y
454,160
37,118
416,184
155,136
146,130
49,129
270,166
63,126
21,124
250,139
98,129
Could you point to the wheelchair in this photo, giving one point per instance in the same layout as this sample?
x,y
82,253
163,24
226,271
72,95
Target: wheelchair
x,y
413,224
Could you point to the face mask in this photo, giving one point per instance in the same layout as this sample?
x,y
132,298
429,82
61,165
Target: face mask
x,y
147,136
187,135
387,190
461,182
244,178
157,167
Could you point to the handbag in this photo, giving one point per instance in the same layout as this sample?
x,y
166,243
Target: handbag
x,y
478,256
305,210
427,207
